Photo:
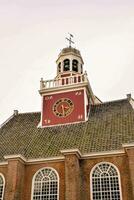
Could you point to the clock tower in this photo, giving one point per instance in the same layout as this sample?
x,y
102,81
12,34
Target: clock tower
x,y
67,98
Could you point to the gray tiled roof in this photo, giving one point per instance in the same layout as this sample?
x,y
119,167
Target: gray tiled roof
x,y
109,125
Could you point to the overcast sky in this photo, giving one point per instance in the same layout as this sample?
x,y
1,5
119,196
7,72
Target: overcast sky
x,y
32,33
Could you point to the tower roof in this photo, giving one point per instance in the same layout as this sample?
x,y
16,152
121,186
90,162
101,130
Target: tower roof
x,y
70,50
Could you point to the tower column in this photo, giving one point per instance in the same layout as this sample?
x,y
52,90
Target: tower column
x,y
71,64
15,178
72,175
130,153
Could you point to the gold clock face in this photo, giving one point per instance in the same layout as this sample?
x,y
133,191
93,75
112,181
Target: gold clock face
x,y
63,107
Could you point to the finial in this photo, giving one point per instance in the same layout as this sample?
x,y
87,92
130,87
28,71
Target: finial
x,y
70,39
16,112
128,96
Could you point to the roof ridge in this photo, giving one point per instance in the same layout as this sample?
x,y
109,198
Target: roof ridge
x,y
114,101
22,113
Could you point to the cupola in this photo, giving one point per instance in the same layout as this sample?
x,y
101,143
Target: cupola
x,y
69,62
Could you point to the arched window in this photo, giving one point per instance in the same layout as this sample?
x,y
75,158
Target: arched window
x,y
45,185
75,65
59,67
2,186
105,183
66,65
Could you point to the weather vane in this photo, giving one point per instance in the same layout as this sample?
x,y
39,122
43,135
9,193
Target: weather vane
x,y
70,39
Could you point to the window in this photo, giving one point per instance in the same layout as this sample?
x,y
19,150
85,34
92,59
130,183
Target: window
x,y
66,65
2,185
75,65
45,185
105,183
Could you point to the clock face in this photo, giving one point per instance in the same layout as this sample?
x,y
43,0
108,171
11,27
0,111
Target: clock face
x,y
63,107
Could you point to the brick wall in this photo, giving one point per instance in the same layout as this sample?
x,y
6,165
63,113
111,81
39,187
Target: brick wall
x,y
74,175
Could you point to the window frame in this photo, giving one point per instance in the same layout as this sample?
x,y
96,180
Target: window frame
x,y
3,185
34,176
118,173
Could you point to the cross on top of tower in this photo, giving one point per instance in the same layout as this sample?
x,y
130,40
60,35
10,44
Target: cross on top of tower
x,y
70,39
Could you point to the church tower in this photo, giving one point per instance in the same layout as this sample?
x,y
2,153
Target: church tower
x,y
67,98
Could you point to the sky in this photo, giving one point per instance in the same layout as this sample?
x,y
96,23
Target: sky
x,y
33,32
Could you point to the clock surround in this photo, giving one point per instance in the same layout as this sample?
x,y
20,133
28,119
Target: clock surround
x,y
63,107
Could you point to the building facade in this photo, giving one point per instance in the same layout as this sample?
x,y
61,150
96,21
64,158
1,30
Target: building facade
x,y
76,148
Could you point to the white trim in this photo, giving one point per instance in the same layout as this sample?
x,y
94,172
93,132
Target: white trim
x,y
60,91
86,96
40,123
3,185
31,161
3,163
70,123
103,153
85,104
71,151
131,101
32,189
42,160
125,145
62,158
16,156
119,178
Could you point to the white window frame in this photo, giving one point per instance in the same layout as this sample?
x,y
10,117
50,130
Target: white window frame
x,y
33,180
117,170
3,185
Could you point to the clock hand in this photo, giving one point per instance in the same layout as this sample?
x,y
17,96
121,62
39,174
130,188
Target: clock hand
x,y
66,107
63,111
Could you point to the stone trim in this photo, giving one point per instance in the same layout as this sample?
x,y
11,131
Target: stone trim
x,y
72,152
64,153
16,157
128,145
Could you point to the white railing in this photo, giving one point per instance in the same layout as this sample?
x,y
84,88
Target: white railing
x,y
64,81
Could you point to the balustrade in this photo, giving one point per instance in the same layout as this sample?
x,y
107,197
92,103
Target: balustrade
x,y
70,80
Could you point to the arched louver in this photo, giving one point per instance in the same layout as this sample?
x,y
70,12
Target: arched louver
x,y
66,65
75,65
